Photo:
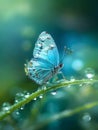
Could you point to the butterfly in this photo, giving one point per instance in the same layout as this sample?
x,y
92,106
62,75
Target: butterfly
x,y
45,62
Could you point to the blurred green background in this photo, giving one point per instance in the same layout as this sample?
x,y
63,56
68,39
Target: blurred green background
x,y
71,23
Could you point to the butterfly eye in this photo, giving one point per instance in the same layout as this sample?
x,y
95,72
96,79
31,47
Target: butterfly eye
x,y
61,65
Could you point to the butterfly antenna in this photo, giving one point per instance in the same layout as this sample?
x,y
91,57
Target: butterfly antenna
x,y
67,51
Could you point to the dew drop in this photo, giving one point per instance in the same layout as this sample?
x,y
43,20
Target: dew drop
x,y
53,93
59,81
26,94
69,86
5,106
41,96
81,85
44,87
86,117
63,80
89,73
72,79
17,112
48,82
35,99
19,96
22,108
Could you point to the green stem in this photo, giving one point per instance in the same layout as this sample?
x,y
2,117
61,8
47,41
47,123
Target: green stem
x,y
65,114
42,91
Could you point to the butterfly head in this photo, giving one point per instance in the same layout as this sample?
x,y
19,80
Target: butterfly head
x,y
57,68
61,65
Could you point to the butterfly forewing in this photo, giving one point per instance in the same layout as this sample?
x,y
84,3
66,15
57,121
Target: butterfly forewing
x,y
46,48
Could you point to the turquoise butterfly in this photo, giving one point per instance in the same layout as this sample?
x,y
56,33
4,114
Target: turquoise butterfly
x,y
45,62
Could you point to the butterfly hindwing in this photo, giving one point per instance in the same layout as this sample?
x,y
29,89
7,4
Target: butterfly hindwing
x,y
37,70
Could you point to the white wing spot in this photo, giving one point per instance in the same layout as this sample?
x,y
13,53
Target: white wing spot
x,y
39,45
44,37
51,47
37,55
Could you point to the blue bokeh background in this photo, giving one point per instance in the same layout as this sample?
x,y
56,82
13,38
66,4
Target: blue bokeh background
x,y
71,23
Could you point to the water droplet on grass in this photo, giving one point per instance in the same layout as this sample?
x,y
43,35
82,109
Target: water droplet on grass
x,y
86,117
26,94
19,96
17,113
5,106
69,86
35,99
53,93
89,73
72,79
44,87
22,108
41,96
59,81
81,85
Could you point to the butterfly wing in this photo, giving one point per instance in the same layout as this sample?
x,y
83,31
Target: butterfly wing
x,y
37,70
46,48
46,57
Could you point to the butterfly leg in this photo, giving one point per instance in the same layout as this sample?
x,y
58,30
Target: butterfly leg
x,y
61,75
54,79
58,77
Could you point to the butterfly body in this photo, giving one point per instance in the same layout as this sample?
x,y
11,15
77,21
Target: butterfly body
x,y
45,62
